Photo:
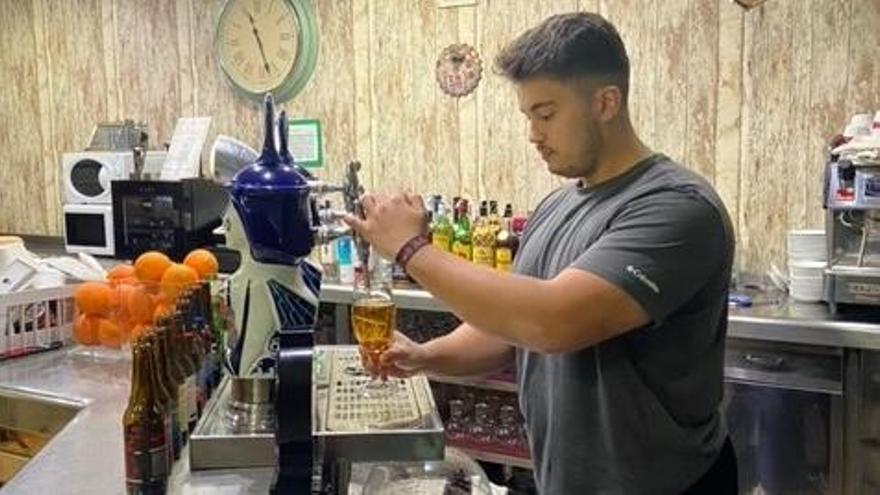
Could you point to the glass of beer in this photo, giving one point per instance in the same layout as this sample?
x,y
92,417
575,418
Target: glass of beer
x,y
373,315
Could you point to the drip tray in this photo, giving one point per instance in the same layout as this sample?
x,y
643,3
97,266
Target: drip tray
x,y
397,423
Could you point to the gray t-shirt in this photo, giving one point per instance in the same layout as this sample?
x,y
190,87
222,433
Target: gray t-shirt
x,y
638,413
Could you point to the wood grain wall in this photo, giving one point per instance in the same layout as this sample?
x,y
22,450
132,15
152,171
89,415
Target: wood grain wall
x,y
747,98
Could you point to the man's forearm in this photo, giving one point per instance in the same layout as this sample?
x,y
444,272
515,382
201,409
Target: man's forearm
x,y
508,306
467,351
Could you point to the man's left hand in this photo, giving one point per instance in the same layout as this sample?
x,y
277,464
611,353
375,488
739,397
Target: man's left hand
x,y
390,221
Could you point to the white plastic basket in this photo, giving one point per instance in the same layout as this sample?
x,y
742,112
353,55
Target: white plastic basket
x,y
35,320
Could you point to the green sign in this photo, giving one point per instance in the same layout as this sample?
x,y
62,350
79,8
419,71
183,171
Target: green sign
x,y
305,142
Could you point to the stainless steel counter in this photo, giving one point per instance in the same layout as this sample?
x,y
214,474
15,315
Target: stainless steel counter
x,y
86,457
786,321
804,323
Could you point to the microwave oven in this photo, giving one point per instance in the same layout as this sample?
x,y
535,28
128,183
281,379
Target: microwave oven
x,y
87,174
88,228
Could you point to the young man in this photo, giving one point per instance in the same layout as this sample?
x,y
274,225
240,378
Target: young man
x,y
616,315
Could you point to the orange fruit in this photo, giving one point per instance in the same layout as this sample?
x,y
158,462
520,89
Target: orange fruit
x,y
204,262
162,309
151,265
94,298
135,303
176,279
138,331
110,334
85,329
121,273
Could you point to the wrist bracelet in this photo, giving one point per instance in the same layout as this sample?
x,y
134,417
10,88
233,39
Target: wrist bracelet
x,y
408,250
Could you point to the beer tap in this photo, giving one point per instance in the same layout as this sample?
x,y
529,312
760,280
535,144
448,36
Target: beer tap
x,y
351,190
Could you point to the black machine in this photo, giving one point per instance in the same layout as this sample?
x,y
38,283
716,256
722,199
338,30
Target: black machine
x,y
169,216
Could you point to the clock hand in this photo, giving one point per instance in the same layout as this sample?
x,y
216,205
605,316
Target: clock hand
x,y
259,41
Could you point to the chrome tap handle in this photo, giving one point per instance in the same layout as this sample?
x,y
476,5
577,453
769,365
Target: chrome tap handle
x,y
327,234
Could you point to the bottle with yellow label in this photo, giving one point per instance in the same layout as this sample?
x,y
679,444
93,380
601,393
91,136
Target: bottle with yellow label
x,y
483,239
505,242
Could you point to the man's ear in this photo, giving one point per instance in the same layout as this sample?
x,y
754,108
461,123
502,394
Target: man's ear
x,y
607,101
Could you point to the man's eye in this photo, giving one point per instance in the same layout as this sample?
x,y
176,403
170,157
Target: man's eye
x,y
545,116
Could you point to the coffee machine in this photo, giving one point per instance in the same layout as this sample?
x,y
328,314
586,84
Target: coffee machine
x,y
287,402
852,226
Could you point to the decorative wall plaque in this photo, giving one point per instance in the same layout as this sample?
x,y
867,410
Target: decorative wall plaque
x,y
459,69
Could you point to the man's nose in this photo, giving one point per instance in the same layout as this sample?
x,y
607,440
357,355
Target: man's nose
x,y
535,134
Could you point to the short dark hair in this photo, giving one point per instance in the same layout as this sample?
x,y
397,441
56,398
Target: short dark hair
x,y
568,46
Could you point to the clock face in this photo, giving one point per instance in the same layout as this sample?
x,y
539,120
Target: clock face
x,y
256,43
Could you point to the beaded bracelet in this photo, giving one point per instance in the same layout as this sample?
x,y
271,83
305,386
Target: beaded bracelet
x,y
408,250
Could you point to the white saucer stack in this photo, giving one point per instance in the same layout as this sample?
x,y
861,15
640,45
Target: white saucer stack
x,y
807,258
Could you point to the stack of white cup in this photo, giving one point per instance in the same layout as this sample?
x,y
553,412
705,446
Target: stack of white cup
x,y
807,258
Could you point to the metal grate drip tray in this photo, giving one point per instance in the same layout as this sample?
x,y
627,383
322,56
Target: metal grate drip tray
x,y
398,424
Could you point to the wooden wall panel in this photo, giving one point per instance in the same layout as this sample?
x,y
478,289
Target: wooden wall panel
x,y
639,36
402,54
863,64
747,98
22,201
702,79
767,98
828,89
75,46
148,65
670,83
332,103
728,119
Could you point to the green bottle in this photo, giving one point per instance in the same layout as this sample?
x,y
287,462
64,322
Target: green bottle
x,y
441,229
461,242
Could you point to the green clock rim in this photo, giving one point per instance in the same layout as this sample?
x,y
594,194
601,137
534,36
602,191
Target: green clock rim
x,y
306,56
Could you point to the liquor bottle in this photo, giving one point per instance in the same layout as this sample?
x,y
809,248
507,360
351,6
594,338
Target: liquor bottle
x,y
167,386
163,392
144,424
483,239
518,227
177,375
441,228
494,219
505,242
461,238
185,342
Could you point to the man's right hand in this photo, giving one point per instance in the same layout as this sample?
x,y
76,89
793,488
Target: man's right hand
x,y
402,359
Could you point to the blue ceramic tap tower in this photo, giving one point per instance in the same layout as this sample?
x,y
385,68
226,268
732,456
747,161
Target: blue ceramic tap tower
x,y
274,224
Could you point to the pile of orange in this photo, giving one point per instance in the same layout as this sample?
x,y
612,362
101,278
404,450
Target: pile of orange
x,y
134,296
97,302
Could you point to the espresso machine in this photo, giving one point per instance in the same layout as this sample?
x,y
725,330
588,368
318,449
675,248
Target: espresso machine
x,y
286,402
852,227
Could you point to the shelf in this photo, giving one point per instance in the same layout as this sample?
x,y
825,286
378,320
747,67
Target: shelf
x,y
507,460
404,298
485,383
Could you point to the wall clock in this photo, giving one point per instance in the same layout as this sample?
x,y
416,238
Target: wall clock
x,y
267,46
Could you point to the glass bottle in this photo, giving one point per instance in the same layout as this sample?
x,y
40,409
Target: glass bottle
x,y
455,424
145,435
483,239
442,231
481,429
507,431
167,390
461,237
